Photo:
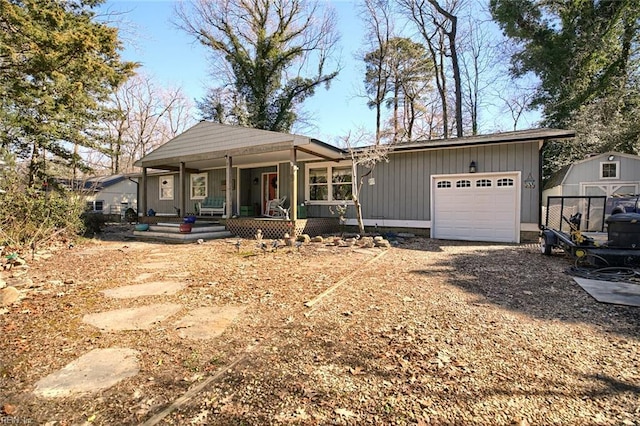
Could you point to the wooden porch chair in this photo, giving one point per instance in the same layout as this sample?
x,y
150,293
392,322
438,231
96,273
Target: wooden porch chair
x,y
275,207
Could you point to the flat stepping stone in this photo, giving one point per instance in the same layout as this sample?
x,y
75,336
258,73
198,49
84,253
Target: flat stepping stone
x,y
144,276
155,288
91,373
142,318
159,264
207,323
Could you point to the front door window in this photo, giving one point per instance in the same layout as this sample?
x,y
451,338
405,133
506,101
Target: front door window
x,y
269,188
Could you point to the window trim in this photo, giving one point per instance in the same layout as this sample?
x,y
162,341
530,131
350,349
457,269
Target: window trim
x,y
193,176
616,163
94,206
170,182
329,166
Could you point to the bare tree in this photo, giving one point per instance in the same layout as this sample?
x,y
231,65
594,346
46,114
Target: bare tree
x,y
365,158
146,116
438,26
273,53
377,17
478,57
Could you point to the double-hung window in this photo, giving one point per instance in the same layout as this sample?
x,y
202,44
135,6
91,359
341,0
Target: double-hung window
x,y
328,182
198,186
166,187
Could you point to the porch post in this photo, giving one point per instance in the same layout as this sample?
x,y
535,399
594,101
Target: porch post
x,y
229,200
143,193
294,184
183,190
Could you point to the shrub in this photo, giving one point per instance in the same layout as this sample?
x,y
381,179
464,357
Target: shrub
x,y
32,216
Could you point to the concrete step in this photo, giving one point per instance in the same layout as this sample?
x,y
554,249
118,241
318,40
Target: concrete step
x,y
175,228
177,237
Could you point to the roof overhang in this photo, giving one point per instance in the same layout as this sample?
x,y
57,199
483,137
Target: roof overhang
x,y
519,136
209,146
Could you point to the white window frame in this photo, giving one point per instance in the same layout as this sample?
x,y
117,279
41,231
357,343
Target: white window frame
x,y
616,163
329,166
168,185
192,188
94,206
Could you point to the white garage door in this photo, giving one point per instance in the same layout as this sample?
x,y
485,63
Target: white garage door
x,y
476,207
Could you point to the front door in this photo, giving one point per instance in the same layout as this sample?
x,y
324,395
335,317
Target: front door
x,y
269,188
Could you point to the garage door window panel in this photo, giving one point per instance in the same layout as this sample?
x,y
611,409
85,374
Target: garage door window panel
x,y
463,184
483,183
505,182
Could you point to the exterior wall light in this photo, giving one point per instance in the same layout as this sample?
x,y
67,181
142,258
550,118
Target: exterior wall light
x,y
472,167
610,158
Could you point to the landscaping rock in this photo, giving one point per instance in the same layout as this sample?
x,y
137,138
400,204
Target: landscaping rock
x,y
317,239
21,282
8,296
306,238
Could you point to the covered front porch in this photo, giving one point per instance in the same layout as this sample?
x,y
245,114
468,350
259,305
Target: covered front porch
x,y
247,179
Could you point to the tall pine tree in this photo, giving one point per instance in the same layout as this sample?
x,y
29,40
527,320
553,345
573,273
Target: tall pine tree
x,y
58,65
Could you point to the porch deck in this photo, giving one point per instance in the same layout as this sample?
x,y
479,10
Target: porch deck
x,y
165,227
246,227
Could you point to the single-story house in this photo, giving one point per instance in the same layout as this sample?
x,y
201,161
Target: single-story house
x,y
482,188
111,195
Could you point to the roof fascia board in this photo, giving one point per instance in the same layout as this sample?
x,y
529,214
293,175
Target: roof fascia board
x,y
475,141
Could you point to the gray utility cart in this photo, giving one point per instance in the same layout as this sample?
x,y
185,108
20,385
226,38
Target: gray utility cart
x,y
577,226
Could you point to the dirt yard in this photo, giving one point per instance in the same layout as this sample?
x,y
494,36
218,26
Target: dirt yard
x,y
425,332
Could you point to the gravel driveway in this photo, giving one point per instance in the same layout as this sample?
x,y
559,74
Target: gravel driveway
x,y
426,332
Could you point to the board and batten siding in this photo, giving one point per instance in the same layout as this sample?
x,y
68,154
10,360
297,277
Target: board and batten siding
x,y
215,178
402,186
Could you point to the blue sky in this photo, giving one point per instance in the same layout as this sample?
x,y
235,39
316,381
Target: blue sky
x,y
173,58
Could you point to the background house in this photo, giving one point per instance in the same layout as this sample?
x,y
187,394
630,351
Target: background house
x,y
110,195
480,188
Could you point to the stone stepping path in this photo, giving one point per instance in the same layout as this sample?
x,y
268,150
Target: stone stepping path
x,y
103,368
142,318
207,323
92,372
156,288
